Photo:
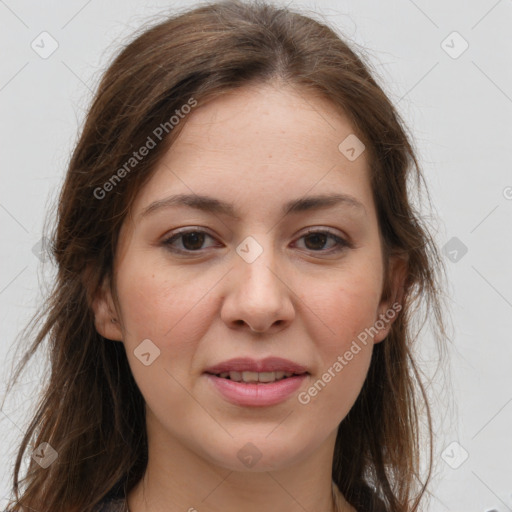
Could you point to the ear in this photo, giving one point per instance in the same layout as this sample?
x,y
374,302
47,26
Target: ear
x,y
391,300
106,318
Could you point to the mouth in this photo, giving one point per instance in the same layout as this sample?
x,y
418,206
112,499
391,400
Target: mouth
x,y
249,377
251,383
246,369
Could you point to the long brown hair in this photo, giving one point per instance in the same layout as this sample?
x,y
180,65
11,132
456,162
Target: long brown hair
x,y
91,411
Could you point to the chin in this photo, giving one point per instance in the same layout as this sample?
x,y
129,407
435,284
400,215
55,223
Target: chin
x,y
258,453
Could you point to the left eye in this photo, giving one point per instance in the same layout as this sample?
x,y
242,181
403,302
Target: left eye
x,y
193,240
319,238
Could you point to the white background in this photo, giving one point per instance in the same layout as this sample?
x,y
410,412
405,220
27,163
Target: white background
x,y
459,110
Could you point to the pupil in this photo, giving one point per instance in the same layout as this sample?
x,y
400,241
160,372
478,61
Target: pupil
x,y
193,236
317,236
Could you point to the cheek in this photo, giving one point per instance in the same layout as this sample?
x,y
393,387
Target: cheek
x,y
347,306
171,315
152,304
165,307
345,358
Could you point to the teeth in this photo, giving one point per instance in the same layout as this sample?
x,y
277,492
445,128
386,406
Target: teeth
x,y
255,376
266,376
250,376
235,376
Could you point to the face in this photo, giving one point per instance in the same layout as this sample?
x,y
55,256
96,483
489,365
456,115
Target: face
x,y
257,272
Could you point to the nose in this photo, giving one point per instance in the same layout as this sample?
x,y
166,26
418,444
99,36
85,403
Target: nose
x,y
258,296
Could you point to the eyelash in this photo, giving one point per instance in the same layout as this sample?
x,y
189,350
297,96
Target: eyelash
x,y
341,244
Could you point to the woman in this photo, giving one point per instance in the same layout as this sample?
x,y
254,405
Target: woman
x,y
238,267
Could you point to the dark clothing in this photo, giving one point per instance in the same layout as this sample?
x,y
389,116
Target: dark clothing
x,y
119,506
111,506
368,501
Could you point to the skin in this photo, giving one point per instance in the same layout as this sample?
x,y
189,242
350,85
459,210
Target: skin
x,y
257,148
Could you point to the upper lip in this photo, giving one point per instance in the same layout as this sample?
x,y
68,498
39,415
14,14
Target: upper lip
x,y
247,364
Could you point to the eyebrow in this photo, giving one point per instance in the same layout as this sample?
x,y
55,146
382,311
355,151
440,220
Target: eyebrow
x,y
216,206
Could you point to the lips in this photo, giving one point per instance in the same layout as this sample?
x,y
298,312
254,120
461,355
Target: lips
x,y
261,377
265,366
247,382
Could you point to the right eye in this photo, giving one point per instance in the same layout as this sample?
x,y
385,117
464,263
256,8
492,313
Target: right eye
x,y
191,240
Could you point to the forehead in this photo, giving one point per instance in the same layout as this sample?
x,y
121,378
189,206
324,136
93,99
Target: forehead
x,y
266,141
259,117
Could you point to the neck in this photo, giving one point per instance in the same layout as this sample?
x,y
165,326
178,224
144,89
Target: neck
x,y
177,479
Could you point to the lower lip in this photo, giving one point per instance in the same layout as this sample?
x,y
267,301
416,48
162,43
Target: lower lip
x,y
257,394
